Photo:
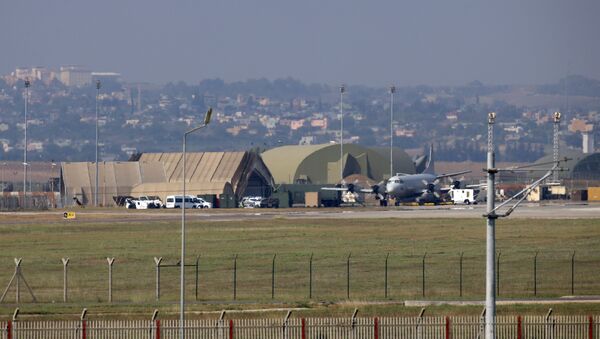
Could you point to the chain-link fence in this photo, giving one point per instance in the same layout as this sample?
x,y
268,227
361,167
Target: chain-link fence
x,y
298,277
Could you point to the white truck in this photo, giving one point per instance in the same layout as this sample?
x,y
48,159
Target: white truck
x,y
144,202
465,196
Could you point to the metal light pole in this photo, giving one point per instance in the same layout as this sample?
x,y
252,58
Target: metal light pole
x,y
52,164
392,91
182,262
490,272
98,85
3,176
52,185
27,85
342,90
555,143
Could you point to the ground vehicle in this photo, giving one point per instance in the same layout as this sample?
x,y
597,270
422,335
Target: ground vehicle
x,y
202,203
250,202
176,201
151,201
143,202
269,203
463,195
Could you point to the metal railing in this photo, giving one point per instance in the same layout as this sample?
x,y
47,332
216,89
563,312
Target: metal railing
x,y
465,327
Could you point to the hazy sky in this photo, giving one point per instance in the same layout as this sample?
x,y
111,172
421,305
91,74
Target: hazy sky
x,y
374,42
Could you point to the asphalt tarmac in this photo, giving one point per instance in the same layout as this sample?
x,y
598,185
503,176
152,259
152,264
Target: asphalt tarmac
x,y
527,210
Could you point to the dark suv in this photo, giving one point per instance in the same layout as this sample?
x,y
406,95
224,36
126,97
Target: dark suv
x,y
269,203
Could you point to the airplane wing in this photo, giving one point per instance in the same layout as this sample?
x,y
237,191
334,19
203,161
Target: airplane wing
x,y
366,190
448,175
477,186
341,189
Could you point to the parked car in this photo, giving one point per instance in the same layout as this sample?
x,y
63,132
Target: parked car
x,y
202,203
269,203
250,202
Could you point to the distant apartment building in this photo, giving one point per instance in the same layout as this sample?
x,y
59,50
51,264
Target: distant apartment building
x,y
32,74
75,76
319,123
106,77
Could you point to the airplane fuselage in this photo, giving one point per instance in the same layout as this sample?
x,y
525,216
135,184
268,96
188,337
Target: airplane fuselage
x,y
412,187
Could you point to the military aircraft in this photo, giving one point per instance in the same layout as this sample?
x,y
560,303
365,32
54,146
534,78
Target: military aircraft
x,y
402,187
422,187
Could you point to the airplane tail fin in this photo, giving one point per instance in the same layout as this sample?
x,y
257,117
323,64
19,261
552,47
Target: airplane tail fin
x,y
430,167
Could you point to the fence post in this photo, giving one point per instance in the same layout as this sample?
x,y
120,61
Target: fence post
x,y
157,262
353,323
234,279
447,328
197,274
221,326
310,274
348,276
419,321
9,330
18,275
273,278
590,327
519,327
573,273
386,276
83,324
376,328
155,323
549,325
460,279
230,328
303,328
285,324
110,261
65,262
423,271
535,273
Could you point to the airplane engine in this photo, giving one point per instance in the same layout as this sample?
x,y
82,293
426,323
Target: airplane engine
x,y
456,184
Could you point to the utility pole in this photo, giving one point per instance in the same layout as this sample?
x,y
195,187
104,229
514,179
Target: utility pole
x,y
27,85
490,272
342,90
98,86
392,91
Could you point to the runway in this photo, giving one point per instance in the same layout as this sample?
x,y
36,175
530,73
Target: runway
x,y
528,210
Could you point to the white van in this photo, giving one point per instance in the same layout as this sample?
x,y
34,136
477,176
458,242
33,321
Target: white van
x,y
176,201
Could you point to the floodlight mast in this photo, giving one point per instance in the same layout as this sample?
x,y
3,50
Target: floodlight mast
x,y
182,261
555,142
490,274
98,86
25,164
392,91
342,90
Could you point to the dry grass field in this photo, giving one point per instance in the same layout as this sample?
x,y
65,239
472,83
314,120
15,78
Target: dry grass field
x,y
134,245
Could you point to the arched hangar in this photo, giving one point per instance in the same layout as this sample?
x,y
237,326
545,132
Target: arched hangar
x,y
320,164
